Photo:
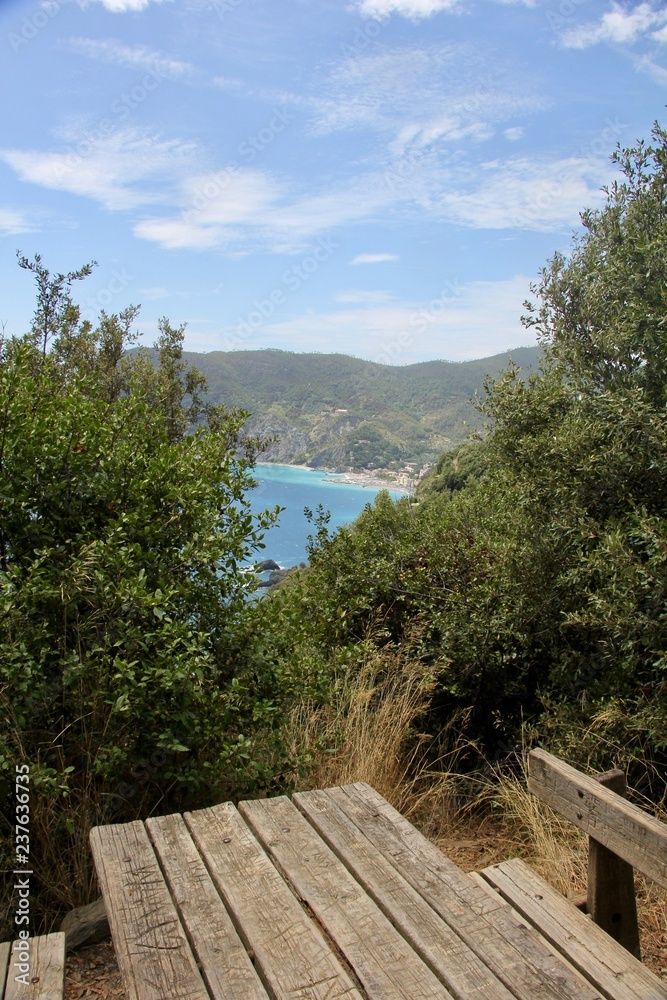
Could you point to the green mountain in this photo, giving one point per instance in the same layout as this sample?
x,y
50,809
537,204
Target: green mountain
x,y
334,411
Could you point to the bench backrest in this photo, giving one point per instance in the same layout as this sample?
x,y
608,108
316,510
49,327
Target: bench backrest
x,y
628,831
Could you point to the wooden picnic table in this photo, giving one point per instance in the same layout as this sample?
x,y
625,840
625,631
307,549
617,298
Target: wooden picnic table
x,y
334,894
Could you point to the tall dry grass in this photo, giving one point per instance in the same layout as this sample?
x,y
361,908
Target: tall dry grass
x,y
369,731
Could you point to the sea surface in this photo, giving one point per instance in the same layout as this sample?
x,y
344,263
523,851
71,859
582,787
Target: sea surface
x,y
294,488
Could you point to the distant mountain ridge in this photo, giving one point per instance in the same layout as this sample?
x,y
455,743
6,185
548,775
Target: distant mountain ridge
x,y
336,411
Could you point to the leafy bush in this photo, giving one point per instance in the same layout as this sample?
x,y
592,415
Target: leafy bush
x,y
124,525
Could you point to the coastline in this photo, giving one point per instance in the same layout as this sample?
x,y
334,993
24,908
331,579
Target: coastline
x,y
363,479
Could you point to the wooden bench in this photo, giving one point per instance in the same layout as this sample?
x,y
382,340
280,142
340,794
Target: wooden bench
x,y
604,944
331,894
42,977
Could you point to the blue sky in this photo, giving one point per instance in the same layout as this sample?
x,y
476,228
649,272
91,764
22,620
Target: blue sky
x,y
381,178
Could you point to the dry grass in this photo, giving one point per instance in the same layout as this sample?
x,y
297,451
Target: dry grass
x,y
370,733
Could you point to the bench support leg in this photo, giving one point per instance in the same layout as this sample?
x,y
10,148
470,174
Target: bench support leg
x,y
611,885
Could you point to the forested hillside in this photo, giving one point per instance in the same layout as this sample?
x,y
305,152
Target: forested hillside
x,y
331,410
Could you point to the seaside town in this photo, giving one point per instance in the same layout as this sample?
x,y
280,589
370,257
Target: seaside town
x,y
404,479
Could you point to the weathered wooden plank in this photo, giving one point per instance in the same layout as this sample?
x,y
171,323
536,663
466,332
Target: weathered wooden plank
x,y
625,829
5,949
153,953
611,883
459,968
46,974
382,959
290,953
609,966
222,957
514,952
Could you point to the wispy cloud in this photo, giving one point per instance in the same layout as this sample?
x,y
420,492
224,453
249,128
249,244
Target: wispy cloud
x,y
227,208
121,6
121,169
14,221
418,10
541,195
415,10
461,97
374,258
242,209
647,65
138,57
621,26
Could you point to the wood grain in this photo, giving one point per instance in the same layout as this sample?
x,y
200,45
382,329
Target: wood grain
x,y
613,970
154,956
611,898
515,953
47,970
453,962
222,957
628,831
382,959
290,953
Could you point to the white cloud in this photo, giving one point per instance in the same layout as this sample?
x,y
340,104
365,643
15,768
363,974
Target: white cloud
x,y
121,6
416,10
373,258
213,208
14,221
528,194
229,198
458,323
138,57
620,25
646,65
120,169
244,210
177,234
513,134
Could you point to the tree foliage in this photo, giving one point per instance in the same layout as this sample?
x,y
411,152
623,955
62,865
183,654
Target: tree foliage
x,y
124,526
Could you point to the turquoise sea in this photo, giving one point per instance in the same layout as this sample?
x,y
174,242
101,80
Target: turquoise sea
x,y
294,488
